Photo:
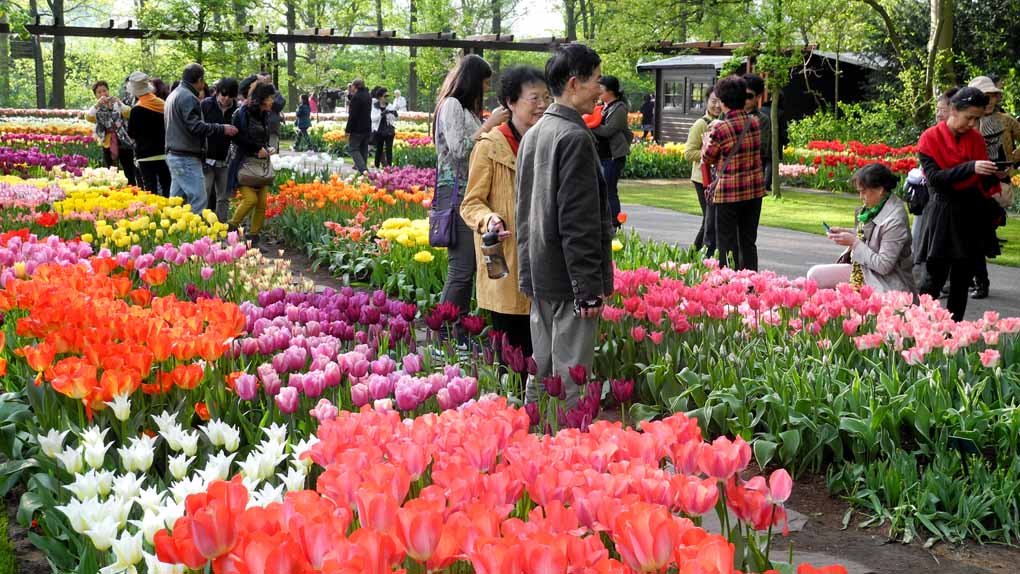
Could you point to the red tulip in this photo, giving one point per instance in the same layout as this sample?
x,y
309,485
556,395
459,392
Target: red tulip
x,y
376,509
808,568
724,458
622,389
579,373
695,497
179,548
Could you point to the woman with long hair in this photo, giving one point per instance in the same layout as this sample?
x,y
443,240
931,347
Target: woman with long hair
x,y
692,153
613,136
458,126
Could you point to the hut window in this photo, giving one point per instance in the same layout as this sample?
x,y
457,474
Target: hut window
x,y
673,94
697,93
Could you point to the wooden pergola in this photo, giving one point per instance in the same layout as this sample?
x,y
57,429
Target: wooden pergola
x,y
321,36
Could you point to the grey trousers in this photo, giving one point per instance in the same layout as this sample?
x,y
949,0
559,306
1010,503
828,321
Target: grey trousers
x,y
216,191
561,340
460,273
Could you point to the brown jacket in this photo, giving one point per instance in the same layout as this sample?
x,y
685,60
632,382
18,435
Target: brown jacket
x,y
490,191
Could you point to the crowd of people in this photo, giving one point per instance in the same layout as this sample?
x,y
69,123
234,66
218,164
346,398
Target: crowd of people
x,y
204,143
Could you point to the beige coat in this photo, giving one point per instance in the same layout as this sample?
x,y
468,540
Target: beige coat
x,y
885,252
490,191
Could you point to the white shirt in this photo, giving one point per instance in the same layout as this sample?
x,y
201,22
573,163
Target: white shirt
x,y
400,104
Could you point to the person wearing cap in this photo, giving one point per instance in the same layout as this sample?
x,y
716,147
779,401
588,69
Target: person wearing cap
x,y
149,134
1002,134
613,136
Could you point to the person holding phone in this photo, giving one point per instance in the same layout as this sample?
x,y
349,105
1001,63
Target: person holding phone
x,y
960,177
878,247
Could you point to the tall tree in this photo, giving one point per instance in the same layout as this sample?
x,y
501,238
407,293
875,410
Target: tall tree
x,y
292,88
40,71
59,52
5,64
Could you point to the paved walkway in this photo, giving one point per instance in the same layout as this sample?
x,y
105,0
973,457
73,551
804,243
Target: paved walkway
x,y
792,253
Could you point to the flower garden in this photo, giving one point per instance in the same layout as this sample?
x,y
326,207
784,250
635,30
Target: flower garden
x,y
175,401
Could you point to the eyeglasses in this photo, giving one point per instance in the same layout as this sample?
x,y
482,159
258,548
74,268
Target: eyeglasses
x,y
535,99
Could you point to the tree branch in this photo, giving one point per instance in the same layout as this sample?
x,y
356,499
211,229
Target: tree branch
x,y
890,27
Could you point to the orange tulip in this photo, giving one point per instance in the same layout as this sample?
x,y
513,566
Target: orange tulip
x,y
141,297
376,509
419,527
155,275
645,535
72,377
39,357
202,411
808,568
187,377
3,367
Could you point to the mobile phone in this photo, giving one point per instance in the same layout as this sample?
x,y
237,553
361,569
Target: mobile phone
x,y
1004,165
826,227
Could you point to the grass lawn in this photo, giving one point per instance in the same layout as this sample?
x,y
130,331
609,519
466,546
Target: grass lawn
x,y
6,550
796,210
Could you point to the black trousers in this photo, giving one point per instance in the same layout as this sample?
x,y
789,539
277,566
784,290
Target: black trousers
x,y
517,329
706,233
736,232
384,151
981,272
612,169
959,272
126,158
155,176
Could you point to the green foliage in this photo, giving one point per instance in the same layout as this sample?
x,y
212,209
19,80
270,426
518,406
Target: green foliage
x,y
418,155
642,163
866,123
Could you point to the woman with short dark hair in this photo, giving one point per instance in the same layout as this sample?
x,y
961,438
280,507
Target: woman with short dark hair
x,y
960,177
252,140
734,147
490,204
878,247
384,127
458,126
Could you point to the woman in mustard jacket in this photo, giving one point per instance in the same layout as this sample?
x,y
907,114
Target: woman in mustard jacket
x,y
489,203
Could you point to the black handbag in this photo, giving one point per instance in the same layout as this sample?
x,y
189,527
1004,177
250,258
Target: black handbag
x,y
441,221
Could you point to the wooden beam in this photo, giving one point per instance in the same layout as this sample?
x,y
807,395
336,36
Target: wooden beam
x,y
501,41
434,36
374,34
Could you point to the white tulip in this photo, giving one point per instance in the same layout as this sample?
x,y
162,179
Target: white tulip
x,y
190,485
276,433
268,495
104,482
118,508
303,446
231,438
71,459
93,435
74,511
103,533
127,459
251,483
165,421
85,486
218,467
154,566
52,442
178,465
189,442
121,406
150,499
143,456
128,551
95,453
127,486
294,480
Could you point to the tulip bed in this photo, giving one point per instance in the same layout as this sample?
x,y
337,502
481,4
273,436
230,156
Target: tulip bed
x,y
178,402
175,401
829,164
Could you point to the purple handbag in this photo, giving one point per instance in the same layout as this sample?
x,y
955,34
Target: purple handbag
x,y
441,221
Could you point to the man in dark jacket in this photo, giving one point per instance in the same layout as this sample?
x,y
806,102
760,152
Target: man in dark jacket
x,y
219,109
186,132
756,87
359,125
564,228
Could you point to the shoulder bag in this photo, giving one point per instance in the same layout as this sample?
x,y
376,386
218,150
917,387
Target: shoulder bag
x,y
256,172
710,188
441,220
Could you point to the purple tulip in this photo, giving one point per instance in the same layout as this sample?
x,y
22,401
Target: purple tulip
x,y
379,298
532,410
622,389
359,368
384,365
359,395
406,397
247,387
553,385
324,411
315,383
412,364
379,386
332,375
287,400
249,346
280,362
452,371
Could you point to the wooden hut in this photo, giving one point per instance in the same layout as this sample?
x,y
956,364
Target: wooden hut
x,y
682,82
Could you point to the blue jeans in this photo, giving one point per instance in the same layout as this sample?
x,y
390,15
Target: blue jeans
x,y
187,180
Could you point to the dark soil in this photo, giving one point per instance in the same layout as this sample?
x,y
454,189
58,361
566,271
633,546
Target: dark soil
x,y
27,558
871,547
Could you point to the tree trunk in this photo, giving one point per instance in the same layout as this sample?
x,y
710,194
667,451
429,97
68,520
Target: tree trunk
x,y
570,19
379,28
240,46
776,152
5,66
412,72
40,70
292,89
59,60
494,61
940,44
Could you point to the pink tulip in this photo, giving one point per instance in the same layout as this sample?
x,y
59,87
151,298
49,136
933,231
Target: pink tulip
x,y
247,387
989,358
780,485
206,273
360,395
324,411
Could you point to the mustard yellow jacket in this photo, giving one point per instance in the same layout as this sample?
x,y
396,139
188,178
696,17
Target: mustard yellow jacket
x,y
490,191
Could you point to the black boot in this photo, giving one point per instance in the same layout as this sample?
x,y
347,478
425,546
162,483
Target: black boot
x,y
979,291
